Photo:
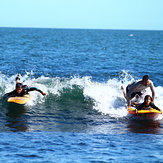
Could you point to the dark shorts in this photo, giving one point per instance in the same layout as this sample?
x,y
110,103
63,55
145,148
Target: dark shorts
x,y
134,93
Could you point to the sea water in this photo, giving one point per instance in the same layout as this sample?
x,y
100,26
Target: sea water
x,y
83,118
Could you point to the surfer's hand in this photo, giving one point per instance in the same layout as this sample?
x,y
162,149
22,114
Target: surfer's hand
x,y
5,96
43,93
160,110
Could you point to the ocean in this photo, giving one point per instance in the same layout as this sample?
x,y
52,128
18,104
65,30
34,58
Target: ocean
x,y
83,117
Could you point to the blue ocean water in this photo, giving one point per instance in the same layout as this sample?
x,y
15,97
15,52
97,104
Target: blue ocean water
x,y
83,118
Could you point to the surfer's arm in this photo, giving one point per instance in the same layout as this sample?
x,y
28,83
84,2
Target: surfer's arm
x,y
141,106
152,90
36,89
5,96
154,106
13,93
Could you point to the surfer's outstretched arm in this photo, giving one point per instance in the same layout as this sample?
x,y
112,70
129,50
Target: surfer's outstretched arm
x,y
12,93
36,89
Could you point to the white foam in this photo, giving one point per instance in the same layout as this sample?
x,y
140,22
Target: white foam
x,y
107,96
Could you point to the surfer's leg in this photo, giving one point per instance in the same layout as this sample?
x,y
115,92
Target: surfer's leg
x,y
123,90
18,78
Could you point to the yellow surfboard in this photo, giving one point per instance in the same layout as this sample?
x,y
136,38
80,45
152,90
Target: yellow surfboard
x,y
144,113
132,110
19,100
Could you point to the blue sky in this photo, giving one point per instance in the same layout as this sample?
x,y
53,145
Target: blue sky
x,y
89,14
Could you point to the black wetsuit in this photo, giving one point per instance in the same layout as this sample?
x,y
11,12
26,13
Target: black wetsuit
x,y
152,105
23,92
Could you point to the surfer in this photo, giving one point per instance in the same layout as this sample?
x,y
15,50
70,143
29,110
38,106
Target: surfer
x,y
20,91
137,89
26,87
147,104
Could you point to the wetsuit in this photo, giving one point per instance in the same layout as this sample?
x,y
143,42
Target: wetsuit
x,y
23,92
152,105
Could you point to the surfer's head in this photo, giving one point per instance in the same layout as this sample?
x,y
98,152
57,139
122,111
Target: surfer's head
x,y
148,99
19,87
145,80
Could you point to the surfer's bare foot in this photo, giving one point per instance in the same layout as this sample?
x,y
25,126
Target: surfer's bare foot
x,y
122,88
19,75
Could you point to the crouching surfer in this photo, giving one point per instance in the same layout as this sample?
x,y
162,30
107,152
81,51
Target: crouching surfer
x,y
137,89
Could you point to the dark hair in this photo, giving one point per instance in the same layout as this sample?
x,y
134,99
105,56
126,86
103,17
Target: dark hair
x,y
145,77
146,97
19,85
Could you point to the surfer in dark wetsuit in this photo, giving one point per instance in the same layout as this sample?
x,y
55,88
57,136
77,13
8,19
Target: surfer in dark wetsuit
x,y
147,104
22,90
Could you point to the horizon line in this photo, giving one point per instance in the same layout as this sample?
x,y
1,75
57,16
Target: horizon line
x,y
85,28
